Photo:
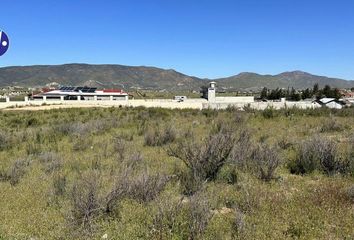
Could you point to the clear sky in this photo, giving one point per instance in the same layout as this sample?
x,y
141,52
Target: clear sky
x,y
203,38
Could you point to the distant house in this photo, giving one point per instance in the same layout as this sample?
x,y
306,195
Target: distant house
x,y
81,93
331,103
180,98
347,94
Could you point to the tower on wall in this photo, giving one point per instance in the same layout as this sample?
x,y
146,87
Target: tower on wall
x,y
212,92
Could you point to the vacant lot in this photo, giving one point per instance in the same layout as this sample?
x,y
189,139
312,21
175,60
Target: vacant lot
x,y
124,173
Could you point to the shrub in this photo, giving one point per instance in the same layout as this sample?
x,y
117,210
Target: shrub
x,y
199,216
77,129
165,220
142,188
151,137
238,225
4,140
284,143
59,185
85,202
316,154
265,161
82,143
294,231
159,137
331,125
350,193
17,171
269,113
146,187
242,149
142,127
51,161
135,159
228,174
203,160
119,191
33,148
119,146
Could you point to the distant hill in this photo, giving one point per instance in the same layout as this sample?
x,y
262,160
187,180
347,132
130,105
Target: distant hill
x,y
128,77
296,79
97,76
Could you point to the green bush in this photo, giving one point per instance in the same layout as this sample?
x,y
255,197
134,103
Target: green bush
x,y
228,174
269,113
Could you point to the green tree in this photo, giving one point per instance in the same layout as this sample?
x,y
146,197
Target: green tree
x,y
327,91
264,93
315,89
294,95
306,94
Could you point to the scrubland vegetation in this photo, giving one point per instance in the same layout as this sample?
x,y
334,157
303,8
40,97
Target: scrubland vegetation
x,y
124,173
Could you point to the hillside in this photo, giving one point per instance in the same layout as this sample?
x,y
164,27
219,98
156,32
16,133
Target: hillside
x,y
129,77
97,76
296,79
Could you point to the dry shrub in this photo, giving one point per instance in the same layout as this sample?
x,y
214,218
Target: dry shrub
x,y
238,225
33,148
59,185
165,222
118,192
199,216
284,143
350,193
142,187
79,129
4,140
203,161
135,159
157,136
50,161
85,202
243,148
82,143
265,160
186,218
317,153
119,147
15,172
146,187
250,198
331,125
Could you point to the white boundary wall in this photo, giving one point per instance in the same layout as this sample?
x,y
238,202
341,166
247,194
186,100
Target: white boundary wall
x,y
162,103
234,99
263,105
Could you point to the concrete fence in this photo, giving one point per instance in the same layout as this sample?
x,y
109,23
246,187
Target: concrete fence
x,y
161,103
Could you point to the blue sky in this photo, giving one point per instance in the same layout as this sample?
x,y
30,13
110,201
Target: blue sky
x,y
197,37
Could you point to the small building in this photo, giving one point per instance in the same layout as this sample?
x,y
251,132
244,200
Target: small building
x,y
331,103
180,98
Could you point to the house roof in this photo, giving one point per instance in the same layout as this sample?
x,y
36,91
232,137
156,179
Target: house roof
x,y
326,100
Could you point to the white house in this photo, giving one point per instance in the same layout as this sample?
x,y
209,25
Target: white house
x,y
331,103
82,93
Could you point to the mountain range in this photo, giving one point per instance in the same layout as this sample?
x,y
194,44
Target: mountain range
x,y
141,77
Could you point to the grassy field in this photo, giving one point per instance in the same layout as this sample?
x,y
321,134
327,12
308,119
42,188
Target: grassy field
x,y
124,173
